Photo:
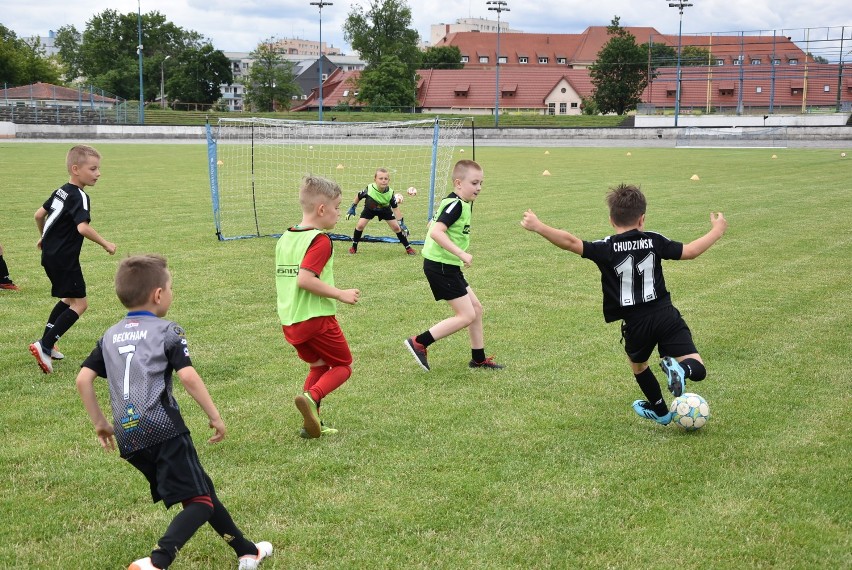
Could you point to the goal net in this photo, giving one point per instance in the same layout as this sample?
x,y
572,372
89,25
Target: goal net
x,y
734,137
256,166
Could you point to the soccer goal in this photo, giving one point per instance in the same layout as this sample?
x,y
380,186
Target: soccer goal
x,y
256,166
734,137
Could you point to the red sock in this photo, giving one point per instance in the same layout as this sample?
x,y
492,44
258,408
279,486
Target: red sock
x,y
314,375
330,381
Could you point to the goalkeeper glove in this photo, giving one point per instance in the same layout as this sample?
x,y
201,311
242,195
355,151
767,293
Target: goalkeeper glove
x,y
350,212
403,227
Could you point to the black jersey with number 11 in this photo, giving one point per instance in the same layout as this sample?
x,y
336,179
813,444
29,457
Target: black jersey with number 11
x,y
631,272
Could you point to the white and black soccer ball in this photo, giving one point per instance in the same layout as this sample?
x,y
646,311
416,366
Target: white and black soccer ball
x,y
690,411
399,198
412,191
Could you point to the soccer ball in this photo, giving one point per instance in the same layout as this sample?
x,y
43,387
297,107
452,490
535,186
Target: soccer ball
x,y
398,197
842,155
412,191
690,411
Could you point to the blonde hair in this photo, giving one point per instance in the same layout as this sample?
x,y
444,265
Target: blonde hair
x,y
78,155
462,167
138,276
315,189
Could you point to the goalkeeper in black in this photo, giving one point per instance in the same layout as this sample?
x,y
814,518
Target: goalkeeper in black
x,y
379,201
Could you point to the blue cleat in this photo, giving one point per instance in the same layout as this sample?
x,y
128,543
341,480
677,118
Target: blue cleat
x,y
644,409
675,374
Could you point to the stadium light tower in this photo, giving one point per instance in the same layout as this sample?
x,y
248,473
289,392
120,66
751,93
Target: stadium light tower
x,y
139,51
498,6
320,5
163,82
680,5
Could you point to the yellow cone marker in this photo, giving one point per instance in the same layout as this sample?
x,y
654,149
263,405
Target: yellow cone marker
x,y
694,177
546,173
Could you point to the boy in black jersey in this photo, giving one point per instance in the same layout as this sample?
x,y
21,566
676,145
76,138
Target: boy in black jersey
x,y
63,221
138,357
5,280
634,291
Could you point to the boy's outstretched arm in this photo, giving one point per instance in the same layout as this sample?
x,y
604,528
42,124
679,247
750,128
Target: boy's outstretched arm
x,y
85,386
695,248
559,238
193,384
90,233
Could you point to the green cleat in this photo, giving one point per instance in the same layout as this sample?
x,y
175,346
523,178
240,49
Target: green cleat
x,y
308,408
324,430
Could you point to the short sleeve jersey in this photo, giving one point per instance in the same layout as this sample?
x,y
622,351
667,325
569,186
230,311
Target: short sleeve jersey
x,y
456,215
631,272
138,356
61,243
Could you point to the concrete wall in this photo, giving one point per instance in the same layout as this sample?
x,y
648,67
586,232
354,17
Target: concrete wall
x,y
725,121
796,136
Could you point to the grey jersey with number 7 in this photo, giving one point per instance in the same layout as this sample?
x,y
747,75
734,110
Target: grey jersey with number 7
x,y
138,356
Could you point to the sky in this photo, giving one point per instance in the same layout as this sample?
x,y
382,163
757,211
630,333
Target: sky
x,y
239,25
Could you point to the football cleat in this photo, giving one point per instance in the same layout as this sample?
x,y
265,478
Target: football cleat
x,y
675,374
644,409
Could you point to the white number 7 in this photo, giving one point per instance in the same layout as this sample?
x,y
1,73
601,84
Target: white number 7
x,y
127,350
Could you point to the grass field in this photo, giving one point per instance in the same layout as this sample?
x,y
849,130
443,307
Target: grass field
x,y
542,465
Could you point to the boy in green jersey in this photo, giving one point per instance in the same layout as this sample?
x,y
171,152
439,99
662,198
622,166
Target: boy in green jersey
x,y
445,252
304,280
381,202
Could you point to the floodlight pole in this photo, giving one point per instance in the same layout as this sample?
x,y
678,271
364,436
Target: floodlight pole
x,y
680,5
139,51
163,82
498,6
320,5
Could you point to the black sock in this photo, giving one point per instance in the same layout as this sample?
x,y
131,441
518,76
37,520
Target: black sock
x,y
180,530
651,388
478,354
356,237
223,524
58,309
425,339
64,322
403,240
693,369
4,271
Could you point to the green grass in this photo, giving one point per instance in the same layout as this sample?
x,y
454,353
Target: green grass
x,y
191,118
542,465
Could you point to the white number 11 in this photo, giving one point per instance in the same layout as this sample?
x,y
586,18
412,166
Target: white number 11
x,y
646,270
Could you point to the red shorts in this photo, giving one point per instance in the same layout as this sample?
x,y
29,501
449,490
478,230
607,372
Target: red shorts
x,y
319,338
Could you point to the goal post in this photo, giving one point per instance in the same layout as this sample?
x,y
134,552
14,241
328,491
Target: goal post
x,y
256,165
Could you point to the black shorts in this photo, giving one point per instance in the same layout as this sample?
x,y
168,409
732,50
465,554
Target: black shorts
x,y
446,281
381,213
664,329
66,282
173,470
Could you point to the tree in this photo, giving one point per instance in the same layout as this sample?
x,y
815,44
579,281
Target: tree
x,y
694,56
387,87
108,56
386,41
442,57
68,41
620,74
23,62
271,82
816,58
198,74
